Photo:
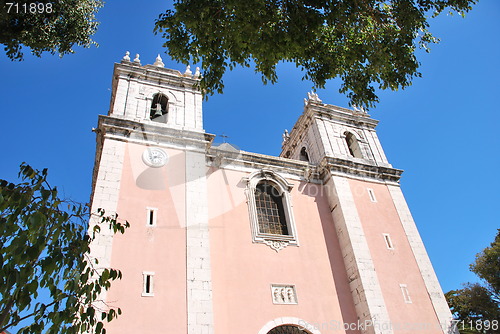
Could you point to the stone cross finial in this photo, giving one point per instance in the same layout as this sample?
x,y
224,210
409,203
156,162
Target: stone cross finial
x,y
197,73
126,57
188,71
159,62
136,59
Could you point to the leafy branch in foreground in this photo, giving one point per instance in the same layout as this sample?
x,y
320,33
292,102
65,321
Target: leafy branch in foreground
x,y
362,42
46,274
53,26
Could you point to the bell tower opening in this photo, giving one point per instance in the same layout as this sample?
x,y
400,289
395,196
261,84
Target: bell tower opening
x,y
303,154
352,145
159,108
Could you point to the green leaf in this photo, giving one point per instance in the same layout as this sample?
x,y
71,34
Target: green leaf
x,y
98,327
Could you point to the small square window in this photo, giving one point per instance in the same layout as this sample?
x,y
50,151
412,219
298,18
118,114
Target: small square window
x,y
151,215
371,193
406,294
388,241
147,283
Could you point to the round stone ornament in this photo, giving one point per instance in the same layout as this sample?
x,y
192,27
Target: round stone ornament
x,y
154,157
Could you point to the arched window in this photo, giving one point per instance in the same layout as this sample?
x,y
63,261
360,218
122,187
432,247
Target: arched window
x,y
287,329
303,155
270,209
159,108
352,145
270,212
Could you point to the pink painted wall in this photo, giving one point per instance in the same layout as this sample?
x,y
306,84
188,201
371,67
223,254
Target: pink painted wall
x,y
394,267
243,271
159,249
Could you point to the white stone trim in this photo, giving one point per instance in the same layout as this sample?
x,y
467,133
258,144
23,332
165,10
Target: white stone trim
x,y
276,242
434,290
105,196
362,178
198,269
302,324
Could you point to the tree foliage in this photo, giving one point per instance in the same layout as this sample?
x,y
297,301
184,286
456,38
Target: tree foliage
x,y
53,26
480,303
487,266
363,42
46,274
472,305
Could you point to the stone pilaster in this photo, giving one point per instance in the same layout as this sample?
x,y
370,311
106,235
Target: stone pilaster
x,y
105,196
199,277
363,281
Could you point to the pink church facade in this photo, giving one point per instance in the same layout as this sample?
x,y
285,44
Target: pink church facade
x,y
317,240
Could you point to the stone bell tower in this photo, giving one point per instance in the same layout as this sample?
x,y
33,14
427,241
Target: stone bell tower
x,y
154,93
388,269
150,168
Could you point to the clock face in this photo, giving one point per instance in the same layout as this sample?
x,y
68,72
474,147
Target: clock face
x,y
154,157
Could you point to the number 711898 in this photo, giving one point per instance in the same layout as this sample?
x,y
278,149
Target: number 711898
x,y
29,8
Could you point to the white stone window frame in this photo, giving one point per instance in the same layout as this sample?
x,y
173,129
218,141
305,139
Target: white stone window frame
x,y
388,241
371,194
150,223
406,293
145,275
275,241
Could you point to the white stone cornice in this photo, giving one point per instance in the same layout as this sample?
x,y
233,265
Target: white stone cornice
x,y
340,114
381,173
249,162
153,73
153,133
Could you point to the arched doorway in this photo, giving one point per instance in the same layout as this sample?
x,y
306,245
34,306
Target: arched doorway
x,y
287,329
288,325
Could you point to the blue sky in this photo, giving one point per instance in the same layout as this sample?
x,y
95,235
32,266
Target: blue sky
x,y
443,130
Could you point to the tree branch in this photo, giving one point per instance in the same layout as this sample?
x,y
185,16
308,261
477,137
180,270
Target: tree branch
x,y
26,316
5,312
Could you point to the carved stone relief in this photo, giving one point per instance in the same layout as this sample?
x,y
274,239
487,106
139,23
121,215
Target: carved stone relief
x,y
283,294
275,244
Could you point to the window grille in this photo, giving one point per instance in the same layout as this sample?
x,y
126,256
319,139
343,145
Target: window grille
x,y
270,212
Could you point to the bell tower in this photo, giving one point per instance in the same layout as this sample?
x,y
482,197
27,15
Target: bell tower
x,y
388,269
150,168
152,93
323,131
